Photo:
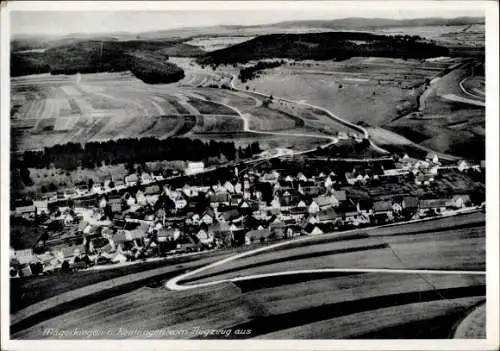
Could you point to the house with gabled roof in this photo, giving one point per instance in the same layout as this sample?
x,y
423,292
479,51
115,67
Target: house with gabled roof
x,y
131,180
328,215
312,229
255,236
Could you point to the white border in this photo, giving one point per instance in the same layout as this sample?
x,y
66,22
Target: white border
x,y
492,181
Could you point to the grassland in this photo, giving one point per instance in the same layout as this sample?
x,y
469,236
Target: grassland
x,y
389,87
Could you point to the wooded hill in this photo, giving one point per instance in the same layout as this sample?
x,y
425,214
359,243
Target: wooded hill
x,y
324,46
146,59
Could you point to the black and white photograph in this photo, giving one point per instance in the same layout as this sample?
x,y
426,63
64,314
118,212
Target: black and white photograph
x,y
314,173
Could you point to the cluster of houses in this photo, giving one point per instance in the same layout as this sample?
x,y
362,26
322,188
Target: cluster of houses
x,y
254,207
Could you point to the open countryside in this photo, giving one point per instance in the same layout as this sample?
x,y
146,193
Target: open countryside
x,y
297,180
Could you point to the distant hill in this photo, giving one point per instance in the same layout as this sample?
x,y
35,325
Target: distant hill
x,y
147,60
372,23
324,46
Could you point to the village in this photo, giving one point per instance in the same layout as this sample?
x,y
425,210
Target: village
x,y
138,218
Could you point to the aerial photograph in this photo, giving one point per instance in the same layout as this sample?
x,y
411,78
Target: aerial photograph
x,y
230,175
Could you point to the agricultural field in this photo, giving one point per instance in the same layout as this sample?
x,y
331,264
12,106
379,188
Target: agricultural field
x,y
449,120
371,304
217,42
370,90
451,36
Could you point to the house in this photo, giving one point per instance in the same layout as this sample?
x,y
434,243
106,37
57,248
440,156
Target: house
x,y
255,236
229,187
119,183
433,170
41,206
383,208
312,229
313,208
82,189
424,179
301,204
97,188
328,182
131,180
217,199
301,177
141,198
116,205
129,199
103,202
327,216
271,177
206,236
433,206
229,215
24,256
26,210
353,178
277,230
69,218
275,203
365,206
152,190
208,217
238,188
409,203
463,165
194,168
326,201
432,157
461,201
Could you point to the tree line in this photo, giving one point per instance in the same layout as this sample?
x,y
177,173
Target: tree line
x,y
248,73
70,156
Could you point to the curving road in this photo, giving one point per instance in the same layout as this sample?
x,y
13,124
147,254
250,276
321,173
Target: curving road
x,y
328,112
175,283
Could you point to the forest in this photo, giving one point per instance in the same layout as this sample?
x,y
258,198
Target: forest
x,y
93,154
324,46
147,60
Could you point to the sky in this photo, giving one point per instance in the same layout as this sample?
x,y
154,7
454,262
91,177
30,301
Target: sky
x,y
69,22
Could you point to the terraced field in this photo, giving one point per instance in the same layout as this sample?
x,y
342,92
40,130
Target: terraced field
x,y
98,107
408,281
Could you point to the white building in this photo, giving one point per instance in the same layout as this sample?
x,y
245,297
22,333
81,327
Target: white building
x,y
194,167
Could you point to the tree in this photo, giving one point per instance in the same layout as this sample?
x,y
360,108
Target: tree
x,y
25,176
90,183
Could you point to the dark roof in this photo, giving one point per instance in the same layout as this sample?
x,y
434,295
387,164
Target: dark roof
x,y
433,203
340,195
410,202
231,214
365,204
328,215
219,197
381,206
257,234
152,190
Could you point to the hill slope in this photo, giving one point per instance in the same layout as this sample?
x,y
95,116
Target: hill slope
x,y
324,46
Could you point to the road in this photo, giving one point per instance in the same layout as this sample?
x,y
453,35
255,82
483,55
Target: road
x,y
174,283
328,112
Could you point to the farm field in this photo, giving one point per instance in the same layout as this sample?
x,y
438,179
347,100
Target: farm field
x,y
450,120
327,305
390,87
98,107
463,35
